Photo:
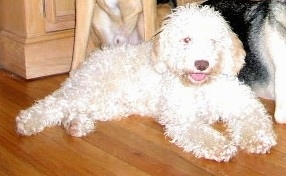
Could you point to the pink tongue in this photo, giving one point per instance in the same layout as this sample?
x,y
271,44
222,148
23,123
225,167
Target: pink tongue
x,y
198,76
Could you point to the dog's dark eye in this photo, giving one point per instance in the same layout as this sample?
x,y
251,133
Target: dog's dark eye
x,y
186,40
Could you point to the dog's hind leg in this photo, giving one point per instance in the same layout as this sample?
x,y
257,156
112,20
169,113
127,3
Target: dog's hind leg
x,y
76,108
68,102
70,107
45,113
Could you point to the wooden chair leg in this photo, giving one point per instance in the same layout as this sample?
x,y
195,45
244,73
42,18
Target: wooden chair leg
x,y
150,14
84,14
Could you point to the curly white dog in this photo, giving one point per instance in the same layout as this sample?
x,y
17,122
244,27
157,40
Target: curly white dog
x,y
185,78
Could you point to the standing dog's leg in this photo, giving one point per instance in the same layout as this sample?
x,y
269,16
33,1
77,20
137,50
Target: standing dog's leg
x,y
279,77
280,94
276,54
84,15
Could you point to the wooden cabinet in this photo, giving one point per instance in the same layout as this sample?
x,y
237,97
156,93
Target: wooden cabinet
x,y
36,36
60,14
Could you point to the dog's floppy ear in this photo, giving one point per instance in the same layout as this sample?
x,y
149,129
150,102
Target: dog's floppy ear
x,y
238,53
155,55
234,54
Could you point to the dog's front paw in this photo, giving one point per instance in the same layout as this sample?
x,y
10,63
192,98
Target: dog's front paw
x,y
26,125
213,146
220,153
260,143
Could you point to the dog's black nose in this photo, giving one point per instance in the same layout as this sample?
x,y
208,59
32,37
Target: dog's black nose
x,y
201,64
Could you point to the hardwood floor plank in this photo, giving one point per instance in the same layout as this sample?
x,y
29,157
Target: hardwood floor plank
x,y
164,161
98,157
30,89
12,165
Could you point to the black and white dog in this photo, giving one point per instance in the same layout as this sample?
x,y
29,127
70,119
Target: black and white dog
x,y
261,25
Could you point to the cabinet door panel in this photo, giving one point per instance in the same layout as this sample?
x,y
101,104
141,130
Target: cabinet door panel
x,y
60,14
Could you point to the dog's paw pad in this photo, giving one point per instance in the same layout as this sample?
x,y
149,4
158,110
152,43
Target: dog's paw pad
x,y
79,127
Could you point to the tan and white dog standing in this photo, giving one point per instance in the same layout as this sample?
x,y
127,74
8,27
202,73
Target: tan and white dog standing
x,y
114,22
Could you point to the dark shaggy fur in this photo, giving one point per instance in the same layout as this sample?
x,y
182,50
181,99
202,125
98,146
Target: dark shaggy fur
x,y
246,18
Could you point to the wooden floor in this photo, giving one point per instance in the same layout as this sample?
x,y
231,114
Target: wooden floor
x,y
131,147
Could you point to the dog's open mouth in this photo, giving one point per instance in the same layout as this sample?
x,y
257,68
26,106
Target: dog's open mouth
x,y
194,78
198,76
